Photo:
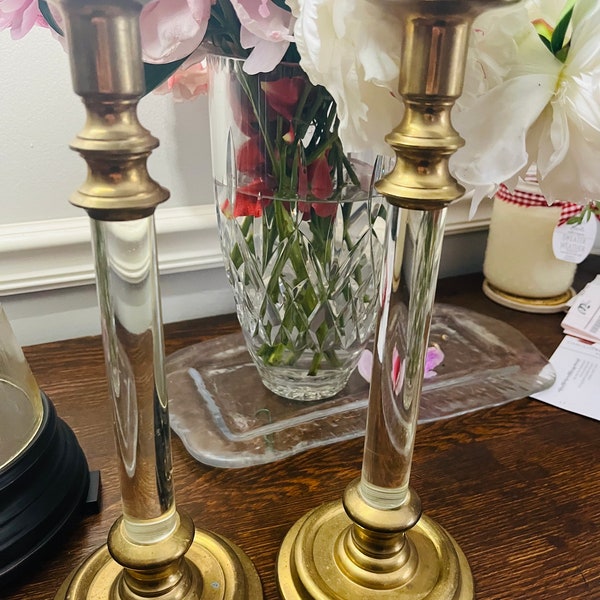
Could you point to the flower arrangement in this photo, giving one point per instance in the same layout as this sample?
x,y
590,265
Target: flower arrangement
x,y
543,51
536,68
302,277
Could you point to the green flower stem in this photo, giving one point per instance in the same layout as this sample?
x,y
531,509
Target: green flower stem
x,y
315,364
243,79
236,254
222,32
304,121
349,168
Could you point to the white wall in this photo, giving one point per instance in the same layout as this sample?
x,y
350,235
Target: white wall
x,y
46,269
40,115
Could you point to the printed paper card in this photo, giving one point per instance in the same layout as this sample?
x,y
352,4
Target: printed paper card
x,y
577,385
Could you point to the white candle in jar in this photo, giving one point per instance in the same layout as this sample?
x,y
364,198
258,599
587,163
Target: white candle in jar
x,y
519,258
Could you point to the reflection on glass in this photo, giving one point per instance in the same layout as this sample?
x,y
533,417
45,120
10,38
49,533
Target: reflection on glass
x,y
21,408
132,333
414,240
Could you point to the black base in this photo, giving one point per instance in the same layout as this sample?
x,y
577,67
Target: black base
x,y
42,493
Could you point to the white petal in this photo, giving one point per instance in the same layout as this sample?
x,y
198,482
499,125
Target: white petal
x,y
495,128
345,46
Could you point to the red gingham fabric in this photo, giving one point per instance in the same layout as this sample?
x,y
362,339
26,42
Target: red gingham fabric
x,y
521,198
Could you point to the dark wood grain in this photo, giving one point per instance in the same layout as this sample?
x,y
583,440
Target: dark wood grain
x,y
517,486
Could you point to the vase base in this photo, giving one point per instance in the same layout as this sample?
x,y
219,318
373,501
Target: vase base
x,y
309,568
292,384
553,304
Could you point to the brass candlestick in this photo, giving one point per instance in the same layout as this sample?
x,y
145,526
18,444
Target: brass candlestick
x,y
376,543
153,550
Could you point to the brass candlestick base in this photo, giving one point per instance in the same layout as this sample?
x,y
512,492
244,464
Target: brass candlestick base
x,y
326,555
207,567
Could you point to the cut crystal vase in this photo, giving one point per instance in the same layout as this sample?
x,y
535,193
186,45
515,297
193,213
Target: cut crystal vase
x,y
300,225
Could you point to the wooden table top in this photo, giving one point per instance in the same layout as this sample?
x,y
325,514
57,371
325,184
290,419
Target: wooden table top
x,y
518,486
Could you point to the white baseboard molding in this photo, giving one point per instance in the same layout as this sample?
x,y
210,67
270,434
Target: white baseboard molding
x,y
45,255
47,275
70,312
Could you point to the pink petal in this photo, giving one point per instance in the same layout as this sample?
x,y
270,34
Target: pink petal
x,y
264,19
397,371
265,27
20,16
433,358
365,364
172,29
186,83
265,56
319,178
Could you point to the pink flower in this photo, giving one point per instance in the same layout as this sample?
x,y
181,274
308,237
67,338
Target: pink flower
x,y
172,29
186,83
434,358
267,28
20,16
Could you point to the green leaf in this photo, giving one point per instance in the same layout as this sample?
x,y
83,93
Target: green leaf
x,y
45,10
546,42
563,52
282,4
558,35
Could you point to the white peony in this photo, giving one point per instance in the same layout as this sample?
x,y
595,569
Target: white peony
x,y
353,49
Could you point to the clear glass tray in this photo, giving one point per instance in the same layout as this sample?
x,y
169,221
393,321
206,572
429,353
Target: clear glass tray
x,y
227,418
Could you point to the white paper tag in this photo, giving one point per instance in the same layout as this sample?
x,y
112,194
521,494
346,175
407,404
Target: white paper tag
x,y
572,243
308,136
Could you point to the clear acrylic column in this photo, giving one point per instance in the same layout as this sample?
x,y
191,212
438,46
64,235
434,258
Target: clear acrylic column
x,y
376,544
128,294
414,242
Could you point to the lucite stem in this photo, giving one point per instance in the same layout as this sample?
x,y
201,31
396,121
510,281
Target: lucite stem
x,y
128,292
413,249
